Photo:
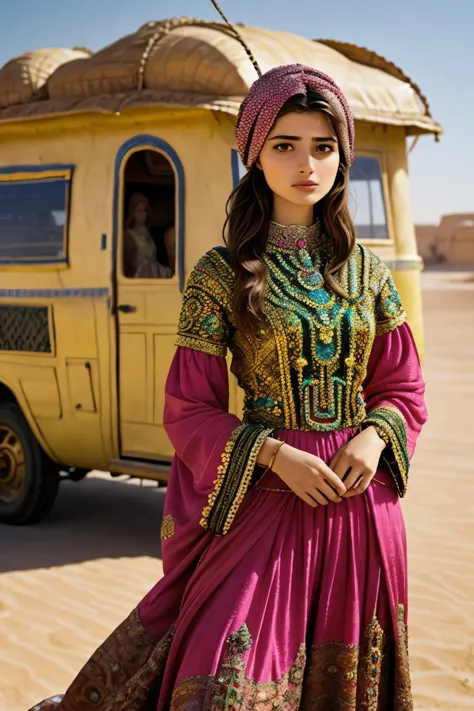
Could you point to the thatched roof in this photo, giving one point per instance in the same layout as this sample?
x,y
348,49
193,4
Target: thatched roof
x,y
190,63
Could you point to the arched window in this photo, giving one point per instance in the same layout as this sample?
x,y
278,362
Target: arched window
x,y
149,224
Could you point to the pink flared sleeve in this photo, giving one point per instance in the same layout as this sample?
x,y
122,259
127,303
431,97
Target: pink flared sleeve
x,y
218,451
196,417
394,393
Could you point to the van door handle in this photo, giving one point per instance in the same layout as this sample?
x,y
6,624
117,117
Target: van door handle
x,y
126,308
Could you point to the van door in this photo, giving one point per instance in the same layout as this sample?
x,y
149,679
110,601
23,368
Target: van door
x,y
148,300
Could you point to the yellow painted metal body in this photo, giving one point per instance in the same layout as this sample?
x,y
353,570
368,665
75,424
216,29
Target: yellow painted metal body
x,y
99,394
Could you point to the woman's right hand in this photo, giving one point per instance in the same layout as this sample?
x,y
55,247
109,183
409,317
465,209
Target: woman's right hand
x,y
308,476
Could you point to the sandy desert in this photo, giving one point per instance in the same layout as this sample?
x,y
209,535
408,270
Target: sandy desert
x,y
65,584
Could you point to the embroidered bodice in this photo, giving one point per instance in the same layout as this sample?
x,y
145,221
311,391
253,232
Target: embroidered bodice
x,y
306,366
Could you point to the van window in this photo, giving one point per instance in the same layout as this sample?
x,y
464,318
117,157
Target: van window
x,y
33,219
149,234
366,203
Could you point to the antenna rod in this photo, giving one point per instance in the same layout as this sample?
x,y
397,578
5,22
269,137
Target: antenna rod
x,y
239,38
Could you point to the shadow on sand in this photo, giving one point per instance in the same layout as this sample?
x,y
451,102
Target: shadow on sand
x,y
94,518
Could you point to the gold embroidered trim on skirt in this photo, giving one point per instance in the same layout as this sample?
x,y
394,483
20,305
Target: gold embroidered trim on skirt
x,y
368,676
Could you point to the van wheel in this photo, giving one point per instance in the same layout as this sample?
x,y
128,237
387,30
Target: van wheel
x,y
28,480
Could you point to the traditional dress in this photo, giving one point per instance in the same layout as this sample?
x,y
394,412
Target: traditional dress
x,y
267,603
140,256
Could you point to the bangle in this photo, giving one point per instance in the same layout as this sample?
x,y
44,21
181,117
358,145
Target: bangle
x,y
274,455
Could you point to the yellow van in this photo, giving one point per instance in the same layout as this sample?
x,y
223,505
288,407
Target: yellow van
x,y
86,338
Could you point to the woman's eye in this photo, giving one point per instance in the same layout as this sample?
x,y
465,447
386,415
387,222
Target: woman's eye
x,y
283,147
324,148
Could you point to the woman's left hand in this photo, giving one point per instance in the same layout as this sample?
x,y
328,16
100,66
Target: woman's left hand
x,y
361,456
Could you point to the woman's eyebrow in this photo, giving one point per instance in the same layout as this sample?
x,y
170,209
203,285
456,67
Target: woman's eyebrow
x,y
317,139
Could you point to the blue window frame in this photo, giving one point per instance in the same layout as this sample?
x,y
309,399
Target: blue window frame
x,y
34,214
148,142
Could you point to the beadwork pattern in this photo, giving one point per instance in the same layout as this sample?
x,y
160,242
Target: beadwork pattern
x,y
168,527
127,671
391,427
234,476
323,676
291,237
403,695
305,367
123,673
203,322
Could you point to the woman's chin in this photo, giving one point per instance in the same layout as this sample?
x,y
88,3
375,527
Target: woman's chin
x,y
304,198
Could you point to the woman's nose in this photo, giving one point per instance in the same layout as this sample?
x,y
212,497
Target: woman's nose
x,y
306,165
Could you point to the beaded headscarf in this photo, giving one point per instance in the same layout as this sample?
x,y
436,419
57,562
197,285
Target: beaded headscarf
x,y
266,97
271,91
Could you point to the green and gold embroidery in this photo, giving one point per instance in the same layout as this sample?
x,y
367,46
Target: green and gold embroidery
x,y
203,322
389,312
234,477
391,427
305,368
231,690
372,664
329,675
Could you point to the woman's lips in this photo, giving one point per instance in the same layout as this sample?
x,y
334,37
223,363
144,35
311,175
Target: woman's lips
x,y
306,186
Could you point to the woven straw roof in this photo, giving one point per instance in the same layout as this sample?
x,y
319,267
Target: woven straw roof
x,y
192,63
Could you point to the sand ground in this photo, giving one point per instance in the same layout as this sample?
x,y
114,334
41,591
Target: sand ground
x,y
65,584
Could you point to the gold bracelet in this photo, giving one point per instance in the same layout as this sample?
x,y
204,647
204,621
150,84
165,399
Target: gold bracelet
x,y
272,460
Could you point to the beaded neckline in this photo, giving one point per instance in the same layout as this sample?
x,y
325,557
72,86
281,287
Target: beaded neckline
x,y
293,237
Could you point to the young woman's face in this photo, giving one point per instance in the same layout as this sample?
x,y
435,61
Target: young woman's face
x,y
300,158
140,214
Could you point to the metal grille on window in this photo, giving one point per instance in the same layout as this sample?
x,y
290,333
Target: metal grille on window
x,y
24,328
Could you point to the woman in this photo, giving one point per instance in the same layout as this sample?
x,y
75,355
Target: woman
x,y
139,248
283,540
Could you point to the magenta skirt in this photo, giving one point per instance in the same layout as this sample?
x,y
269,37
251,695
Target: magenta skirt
x,y
295,607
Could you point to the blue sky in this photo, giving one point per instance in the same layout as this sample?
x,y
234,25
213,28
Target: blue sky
x,y
430,40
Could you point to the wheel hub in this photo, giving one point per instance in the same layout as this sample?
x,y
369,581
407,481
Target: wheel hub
x,y
12,465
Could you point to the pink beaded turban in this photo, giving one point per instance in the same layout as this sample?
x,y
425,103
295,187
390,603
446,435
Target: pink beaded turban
x,y
267,95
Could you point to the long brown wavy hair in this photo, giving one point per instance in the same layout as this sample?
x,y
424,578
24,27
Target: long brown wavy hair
x,y
249,211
